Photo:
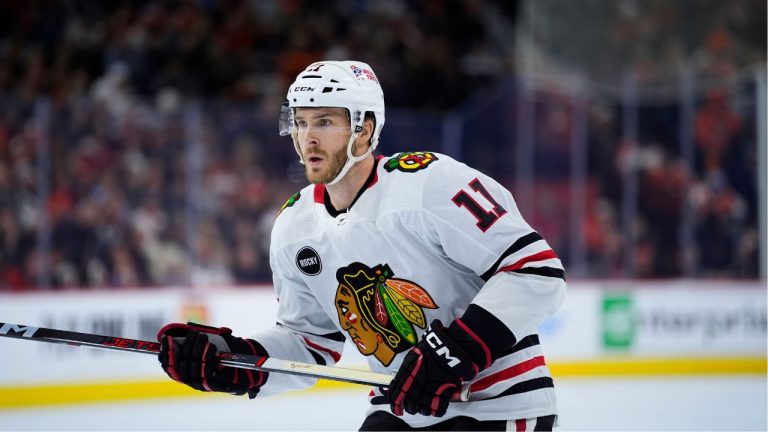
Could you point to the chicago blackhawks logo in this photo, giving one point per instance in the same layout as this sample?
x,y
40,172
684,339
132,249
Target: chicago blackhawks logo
x,y
378,311
410,161
290,202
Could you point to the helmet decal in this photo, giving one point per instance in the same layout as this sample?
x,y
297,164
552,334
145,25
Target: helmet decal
x,y
367,73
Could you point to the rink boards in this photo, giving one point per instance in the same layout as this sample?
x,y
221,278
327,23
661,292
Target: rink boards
x,y
603,329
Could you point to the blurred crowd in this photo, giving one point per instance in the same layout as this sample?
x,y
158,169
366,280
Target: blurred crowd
x,y
697,196
696,207
241,50
650,39
130,202
138,142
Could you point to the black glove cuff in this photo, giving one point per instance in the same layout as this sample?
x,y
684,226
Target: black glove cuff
x,y
482,335
449,353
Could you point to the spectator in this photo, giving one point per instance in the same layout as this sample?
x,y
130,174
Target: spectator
x,y
130,184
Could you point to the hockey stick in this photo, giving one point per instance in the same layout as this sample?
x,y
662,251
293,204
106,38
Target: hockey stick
x,y
242,361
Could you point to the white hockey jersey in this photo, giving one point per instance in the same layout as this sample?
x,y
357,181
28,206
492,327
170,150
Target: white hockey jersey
x,y
427,237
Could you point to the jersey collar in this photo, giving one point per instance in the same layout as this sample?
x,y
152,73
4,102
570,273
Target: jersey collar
x,y
321,193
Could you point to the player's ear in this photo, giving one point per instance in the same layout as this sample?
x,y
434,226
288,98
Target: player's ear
x,y
368,125
363,140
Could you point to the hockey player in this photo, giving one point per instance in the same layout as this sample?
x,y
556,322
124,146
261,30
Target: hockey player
x,y
422,262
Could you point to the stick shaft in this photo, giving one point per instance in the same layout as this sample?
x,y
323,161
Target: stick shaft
x,y
242,361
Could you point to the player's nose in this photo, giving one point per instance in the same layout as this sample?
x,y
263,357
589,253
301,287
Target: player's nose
x,y
309,134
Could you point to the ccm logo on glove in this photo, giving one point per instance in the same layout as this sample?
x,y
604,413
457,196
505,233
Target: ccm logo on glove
x,y
432,372
440,349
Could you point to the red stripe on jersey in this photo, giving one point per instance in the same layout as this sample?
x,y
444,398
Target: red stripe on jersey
x,y
541,256
336,356
319,193
507,373
520,425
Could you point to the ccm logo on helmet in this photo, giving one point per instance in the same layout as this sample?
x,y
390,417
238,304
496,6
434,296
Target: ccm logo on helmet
x,y
441,350
303,89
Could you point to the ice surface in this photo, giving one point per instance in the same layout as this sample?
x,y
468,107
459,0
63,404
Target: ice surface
x,y
658,403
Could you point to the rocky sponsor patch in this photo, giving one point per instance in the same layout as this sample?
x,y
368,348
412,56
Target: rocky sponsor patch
x,y
308,261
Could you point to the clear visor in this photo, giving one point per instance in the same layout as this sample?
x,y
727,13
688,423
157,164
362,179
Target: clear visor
x,y
327,124
286,119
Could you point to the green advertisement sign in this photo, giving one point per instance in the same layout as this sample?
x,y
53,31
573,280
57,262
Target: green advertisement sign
x,y
618,322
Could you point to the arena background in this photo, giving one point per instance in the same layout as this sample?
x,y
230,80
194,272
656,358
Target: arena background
x,y
141,170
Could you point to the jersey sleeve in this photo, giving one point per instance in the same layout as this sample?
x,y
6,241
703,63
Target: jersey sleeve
x,y
303,331
473,221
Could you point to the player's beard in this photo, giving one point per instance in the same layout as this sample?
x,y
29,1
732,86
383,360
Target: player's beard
x,y
336,161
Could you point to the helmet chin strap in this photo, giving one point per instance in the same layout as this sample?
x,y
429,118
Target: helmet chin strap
x,y
351,159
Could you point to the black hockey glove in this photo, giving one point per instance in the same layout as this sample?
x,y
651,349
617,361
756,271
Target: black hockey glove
x,y
188,354
433,371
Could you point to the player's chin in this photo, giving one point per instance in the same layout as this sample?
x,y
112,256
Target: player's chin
x,y
317,176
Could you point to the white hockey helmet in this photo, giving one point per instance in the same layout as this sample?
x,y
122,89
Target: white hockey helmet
x,y
337,84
